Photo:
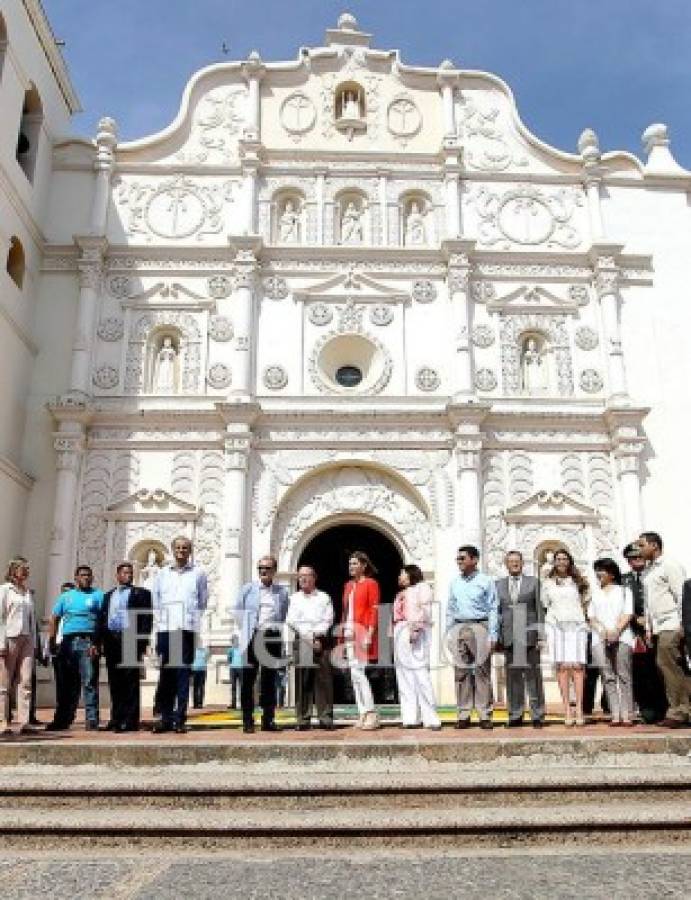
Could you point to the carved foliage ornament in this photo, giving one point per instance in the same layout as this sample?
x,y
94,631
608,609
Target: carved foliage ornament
x,y
591,381
424,291
586,338
110,329
220,287
485,380
320,314
381,314
554,327
220,328
219,376
528,216
275,377
120,286
106,377
483,336
427,379
486,139
275,287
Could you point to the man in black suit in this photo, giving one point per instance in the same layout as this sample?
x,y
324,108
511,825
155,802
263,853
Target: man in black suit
x,y
126,624
522,616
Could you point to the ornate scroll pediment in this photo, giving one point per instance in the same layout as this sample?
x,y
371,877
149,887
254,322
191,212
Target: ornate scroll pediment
x,y
351,285
152,506
532,299
551,507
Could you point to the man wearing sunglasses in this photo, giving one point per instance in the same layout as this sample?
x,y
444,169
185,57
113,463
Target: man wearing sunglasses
x,y
260,610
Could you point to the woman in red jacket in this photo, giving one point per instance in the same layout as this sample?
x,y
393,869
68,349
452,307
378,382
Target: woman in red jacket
x,y
360,612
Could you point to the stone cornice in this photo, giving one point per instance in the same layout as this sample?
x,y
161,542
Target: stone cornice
x,y
9,470
46,38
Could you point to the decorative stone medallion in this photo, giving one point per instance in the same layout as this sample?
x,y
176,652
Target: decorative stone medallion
x,y
220,287
586,338
485,380
424,291
275,287
106,377
110,329
591,381
427,379
220,328
275,377
219,376
403,118
579,294
298,114
320,314
381,314
120,286
483,336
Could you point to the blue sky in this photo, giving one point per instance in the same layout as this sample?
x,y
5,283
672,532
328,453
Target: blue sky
x,y
613,65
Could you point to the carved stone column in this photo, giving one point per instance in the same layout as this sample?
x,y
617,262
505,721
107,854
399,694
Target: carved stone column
x,y
69,445
249,155
106,142
253,70
383,210
236,450
90,265
628,443
452,189
467,424
458,254
447,79
244,318
607,281
321,184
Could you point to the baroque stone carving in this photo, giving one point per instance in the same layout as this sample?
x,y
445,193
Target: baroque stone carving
x,y
219,376
220,328
120,287
512,329
485,380
110,329
189,348
320,314
487,146
216,127
275,287
591,381
220,287
353,490
424,291
275,377
427,379
382,364
483,336
381,314
528,216
175,209
403,118
298,115
586,338
106,377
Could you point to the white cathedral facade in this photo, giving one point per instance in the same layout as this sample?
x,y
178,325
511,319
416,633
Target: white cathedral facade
x,y
341,290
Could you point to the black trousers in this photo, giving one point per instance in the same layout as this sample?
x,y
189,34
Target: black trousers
x,y
592,676
198,688
521,678
313,684
648,686
123,681
176,652
271,644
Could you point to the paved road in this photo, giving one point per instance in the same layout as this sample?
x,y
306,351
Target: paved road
x,y
587,874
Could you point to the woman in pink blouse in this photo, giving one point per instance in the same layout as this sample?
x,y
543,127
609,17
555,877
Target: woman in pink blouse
x,y
412,617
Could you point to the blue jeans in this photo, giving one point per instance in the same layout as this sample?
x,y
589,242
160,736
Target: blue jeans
x,y
79,670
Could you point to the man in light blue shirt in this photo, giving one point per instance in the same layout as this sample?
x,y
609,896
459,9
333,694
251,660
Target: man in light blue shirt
x,y
472,624
180,595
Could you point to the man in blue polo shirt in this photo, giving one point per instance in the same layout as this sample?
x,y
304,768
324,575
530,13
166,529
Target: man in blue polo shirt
x,y
77,611
472,621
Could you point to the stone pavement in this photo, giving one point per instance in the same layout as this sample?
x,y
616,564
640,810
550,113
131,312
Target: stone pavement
x,y
573,872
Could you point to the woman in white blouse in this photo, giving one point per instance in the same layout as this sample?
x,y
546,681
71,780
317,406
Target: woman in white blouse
x,y
412,619
610,612
17,631
565,595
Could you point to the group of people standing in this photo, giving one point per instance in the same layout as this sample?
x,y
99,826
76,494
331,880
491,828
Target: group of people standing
x,y
635,629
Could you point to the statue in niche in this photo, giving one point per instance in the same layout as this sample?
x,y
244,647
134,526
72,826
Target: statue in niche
x,y
533,368
148,574
289,224
350,106
547,565
415,225
164,371
351,225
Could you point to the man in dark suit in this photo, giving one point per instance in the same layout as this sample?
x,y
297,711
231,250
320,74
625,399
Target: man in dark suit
x,y
125,630
522,616
686,616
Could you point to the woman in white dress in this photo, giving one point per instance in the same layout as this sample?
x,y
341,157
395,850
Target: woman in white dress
x,y
565,595
412,616
610,613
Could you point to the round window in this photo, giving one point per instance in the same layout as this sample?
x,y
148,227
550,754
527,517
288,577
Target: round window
x,y
348,376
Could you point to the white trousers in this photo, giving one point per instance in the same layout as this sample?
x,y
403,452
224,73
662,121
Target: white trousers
x,y
360,682
415,690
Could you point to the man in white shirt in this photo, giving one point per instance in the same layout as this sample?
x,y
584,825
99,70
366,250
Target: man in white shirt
x,y
310,616
180,595
663,582
259,611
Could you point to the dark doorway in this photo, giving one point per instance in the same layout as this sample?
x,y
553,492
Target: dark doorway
x,y
329,553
